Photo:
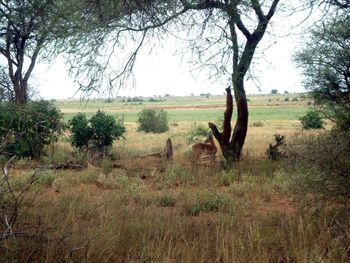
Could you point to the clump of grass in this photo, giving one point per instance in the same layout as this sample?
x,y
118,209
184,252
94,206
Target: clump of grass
x,y
206,202
106,165
228,177
257,124
45,178
167,200
178,175
88,177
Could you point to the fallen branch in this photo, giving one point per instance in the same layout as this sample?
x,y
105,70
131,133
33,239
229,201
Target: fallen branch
x,y
28,236
62,166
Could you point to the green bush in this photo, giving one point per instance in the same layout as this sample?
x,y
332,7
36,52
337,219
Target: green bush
x,y
196,133
26,129
151,120
311,120
96,134
81,132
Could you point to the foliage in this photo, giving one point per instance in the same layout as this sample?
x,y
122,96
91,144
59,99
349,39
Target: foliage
x,y
197,131
6,92
81,132
311,120
26,27
151,120
273,152
325,61
326,167
96,134
274,91
26,130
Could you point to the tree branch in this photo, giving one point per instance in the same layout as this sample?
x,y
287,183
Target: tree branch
x,y
215,131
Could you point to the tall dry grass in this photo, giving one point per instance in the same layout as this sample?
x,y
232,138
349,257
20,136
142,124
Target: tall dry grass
x,y
133,209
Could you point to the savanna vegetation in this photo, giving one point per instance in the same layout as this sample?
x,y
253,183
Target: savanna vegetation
x,y
128,206
94,182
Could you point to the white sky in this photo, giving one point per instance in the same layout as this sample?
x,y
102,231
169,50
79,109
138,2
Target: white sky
x,y
162,72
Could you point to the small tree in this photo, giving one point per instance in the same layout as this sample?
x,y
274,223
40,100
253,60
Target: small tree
x,y
151,120
81,132
104,129
274,91
96,134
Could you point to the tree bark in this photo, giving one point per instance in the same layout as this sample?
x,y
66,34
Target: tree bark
x,y
232,149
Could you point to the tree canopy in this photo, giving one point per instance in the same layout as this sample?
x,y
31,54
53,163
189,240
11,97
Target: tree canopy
x,y
325,63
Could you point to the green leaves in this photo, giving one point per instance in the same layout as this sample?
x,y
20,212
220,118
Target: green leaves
x,y
96,134
151,120
25,130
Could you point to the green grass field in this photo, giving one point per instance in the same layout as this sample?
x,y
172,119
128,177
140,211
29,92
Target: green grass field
x,y
189,109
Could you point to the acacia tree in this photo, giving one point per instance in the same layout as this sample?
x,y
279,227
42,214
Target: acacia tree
x,y
26,27
222,34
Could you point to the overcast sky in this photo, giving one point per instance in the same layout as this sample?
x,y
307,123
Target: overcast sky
x,y
163,72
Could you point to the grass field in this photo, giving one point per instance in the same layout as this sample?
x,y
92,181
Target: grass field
x,y
130,207
262,108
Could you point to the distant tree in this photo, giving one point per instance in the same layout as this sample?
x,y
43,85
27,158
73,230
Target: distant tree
x,y
151,120
286,92
274,91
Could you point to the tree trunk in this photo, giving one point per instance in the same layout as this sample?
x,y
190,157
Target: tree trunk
x,y
232,149
21,96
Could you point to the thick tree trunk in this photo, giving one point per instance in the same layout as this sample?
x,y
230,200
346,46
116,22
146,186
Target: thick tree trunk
x,y
232,149
21,96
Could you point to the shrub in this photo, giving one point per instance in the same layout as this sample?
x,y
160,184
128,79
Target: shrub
x,y
81,132
286,99
104,129
258,124
151,120
273,152
96,134
26,129
324,167
311,120
197,131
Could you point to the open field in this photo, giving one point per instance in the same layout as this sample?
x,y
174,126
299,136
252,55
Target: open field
x,y
262,108
130,208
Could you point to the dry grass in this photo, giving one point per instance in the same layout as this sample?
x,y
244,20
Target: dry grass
x,y
133,209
